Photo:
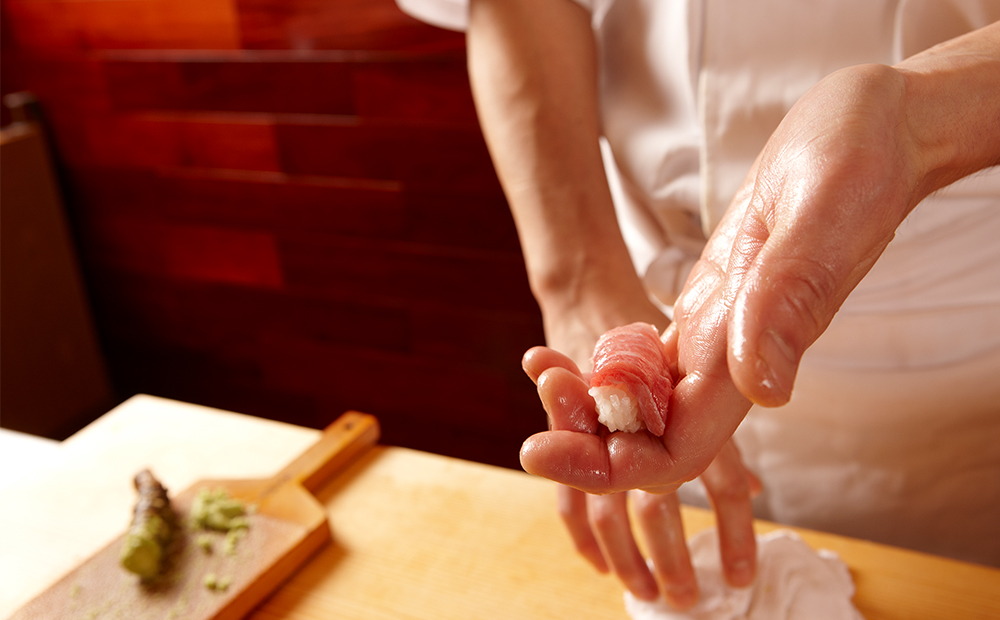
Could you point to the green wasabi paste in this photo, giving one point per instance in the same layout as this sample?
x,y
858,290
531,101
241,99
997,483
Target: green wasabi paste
x,y
215,510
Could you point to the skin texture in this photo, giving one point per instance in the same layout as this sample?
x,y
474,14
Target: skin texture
x,y
533,71
847,164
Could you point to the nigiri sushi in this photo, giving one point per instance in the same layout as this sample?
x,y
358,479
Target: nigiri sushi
x,y
631,382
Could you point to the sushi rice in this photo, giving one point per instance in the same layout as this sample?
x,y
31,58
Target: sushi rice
x,y
617,408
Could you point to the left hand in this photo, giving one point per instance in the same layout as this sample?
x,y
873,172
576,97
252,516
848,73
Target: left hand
x,y
599,524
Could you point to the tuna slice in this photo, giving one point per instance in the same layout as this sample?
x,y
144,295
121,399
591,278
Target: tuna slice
x,y
631,383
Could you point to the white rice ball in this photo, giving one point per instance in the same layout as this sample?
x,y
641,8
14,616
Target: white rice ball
x,y
617,408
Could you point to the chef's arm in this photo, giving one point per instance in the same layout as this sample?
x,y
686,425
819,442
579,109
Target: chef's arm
x,y
533,68
926,122
534,72
953,104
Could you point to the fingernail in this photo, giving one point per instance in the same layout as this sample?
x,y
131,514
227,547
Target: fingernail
x,y
740,573
777,363
681,597
645,593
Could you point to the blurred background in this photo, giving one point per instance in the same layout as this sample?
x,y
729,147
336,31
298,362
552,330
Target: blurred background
x,y
283,208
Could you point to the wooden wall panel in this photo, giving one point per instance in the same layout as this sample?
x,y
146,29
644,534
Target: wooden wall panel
x,y
239,84
246,199
444,216
435,88
344,24
57,76
286,208
488,338
402,85
187,252
199,316
459,278
124,24
420,155
154,140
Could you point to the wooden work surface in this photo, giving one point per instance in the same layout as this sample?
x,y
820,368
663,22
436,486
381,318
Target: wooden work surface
x,y
415,535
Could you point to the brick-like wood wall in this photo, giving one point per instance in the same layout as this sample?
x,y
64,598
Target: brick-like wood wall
x,y
286,208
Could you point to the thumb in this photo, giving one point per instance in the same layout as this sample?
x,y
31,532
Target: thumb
x,y
791,283
775,317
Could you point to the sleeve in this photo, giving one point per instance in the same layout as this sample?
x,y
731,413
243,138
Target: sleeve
x,y
449,14
452,14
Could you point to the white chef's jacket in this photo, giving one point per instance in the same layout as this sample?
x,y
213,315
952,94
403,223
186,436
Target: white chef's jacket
x,y
893,430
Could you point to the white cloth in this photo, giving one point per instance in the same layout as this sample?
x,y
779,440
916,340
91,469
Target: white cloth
x,y
893,431
793,583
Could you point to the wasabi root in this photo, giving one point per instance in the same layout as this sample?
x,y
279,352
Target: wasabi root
x,y
152,529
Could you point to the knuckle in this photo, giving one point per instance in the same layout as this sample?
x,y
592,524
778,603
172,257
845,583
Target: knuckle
x,y
807,289
603,516
678,573
645,505
567,507
630,575
649,507
731,493
568,515
726,487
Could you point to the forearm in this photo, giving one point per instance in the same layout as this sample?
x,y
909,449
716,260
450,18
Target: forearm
x,y
533,68
953,107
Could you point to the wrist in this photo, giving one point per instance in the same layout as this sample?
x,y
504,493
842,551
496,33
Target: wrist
x,y
952,108
582,280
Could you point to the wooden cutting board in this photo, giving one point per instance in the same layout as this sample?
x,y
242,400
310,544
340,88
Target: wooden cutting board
x,y
286,528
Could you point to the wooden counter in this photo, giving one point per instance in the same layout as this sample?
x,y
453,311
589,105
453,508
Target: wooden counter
x,y
415,535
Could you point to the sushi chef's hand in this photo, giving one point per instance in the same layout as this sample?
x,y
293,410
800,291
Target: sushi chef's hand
x,y
533,67
599,524
846,165
850,160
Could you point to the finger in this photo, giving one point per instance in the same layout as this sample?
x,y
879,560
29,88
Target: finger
x,y
583,461
565,399
809,235
709,272
765,355
538,359
705,409
573,511
729,488
659,519
706,406
568,416
755,484
610,523
669,338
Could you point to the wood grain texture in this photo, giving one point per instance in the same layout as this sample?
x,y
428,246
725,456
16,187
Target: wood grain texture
x,y
110,24
415,535
189,252
457,277
431,88
235,83
345,24
415,154
149,140
261,188
491,545
286,527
